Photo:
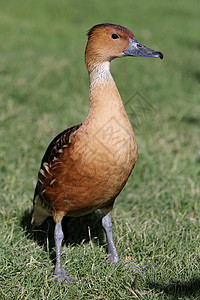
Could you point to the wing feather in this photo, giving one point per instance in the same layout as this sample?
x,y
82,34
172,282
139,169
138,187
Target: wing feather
x,y
55,148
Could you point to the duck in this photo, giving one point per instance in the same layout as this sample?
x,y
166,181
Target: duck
x,y
85,167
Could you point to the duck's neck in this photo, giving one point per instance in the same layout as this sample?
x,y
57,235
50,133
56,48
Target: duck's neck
x,y
105,100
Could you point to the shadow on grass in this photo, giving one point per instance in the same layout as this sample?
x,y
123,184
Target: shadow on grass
x,y
178,288
192,120
197,76
76,230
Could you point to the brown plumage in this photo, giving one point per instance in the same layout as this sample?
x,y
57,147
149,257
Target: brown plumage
x,y
86,166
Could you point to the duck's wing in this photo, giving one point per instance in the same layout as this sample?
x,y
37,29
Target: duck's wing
x,y
51,156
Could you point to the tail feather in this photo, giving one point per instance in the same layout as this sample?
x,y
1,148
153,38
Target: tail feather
x,y
41,211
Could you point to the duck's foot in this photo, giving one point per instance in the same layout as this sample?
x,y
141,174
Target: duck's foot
x,y
138,269
119,264
113,259
61,277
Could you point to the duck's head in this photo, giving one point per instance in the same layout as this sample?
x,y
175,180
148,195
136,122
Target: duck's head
x,y
109,41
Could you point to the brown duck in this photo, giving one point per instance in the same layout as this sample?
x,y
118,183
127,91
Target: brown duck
x,y
86,166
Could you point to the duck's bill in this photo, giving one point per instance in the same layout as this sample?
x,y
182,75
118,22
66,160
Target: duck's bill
x,y
137,49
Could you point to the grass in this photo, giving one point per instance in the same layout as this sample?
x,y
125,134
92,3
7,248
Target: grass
x,y
43,90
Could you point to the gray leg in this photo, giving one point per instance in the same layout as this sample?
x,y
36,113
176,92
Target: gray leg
x,y
112,252
59,274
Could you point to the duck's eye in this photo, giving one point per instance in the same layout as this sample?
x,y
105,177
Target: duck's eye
x,y
115,36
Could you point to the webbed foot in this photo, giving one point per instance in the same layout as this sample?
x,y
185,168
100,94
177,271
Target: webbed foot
x,y
60,276
139,268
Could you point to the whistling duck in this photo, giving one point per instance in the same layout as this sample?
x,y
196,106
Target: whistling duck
x,y
86,166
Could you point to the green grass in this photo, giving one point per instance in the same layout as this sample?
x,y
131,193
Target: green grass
x,y
43,90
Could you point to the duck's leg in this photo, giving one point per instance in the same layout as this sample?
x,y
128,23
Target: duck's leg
x,y
112,251
60,273
107,225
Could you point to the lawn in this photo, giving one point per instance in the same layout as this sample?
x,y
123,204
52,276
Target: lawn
x,y
44,90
